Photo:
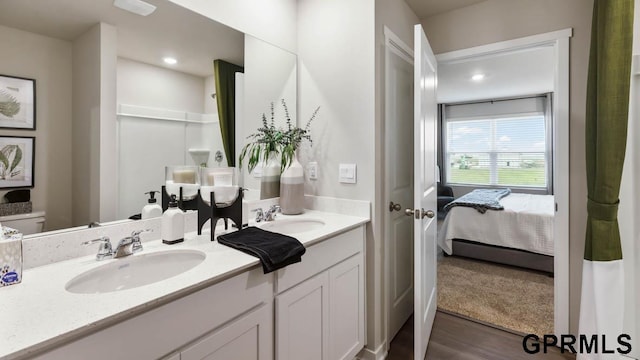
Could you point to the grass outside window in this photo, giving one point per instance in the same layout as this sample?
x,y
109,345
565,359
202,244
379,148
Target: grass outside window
x,y
533,177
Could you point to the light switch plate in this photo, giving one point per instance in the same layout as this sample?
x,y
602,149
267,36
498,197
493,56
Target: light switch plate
x,y
347,173
312,169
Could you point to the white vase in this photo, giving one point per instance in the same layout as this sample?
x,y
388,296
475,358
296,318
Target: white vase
x,y
270,179
292,189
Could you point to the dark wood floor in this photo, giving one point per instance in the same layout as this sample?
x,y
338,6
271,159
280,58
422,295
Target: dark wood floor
x,y
456,338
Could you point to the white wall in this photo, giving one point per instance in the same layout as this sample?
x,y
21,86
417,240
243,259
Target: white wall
x,y
498,20
146,146
271,20
47,60
400,19
629,211
336,72
108,146
210,104
269,76
148,85
86,127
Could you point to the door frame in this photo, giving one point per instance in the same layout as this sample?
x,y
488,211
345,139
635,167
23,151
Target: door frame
x,y
392,44
560,42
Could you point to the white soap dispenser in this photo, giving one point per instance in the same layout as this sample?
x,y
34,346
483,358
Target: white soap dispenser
x,y
172,228
152,209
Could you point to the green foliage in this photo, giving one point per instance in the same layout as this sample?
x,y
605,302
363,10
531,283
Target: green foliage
x,y
270,139
9,105
10,157
293,136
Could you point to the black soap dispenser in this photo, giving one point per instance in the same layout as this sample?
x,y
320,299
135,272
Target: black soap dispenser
x,y
152,209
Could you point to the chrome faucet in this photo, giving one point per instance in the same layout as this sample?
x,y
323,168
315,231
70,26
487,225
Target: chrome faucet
x,y
126,246
129,245
259,214
105,250
270,214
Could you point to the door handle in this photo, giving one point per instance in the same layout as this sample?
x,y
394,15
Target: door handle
x,y
420,213
393,206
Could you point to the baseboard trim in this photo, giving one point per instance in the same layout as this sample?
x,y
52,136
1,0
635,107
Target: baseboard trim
x,y
377,354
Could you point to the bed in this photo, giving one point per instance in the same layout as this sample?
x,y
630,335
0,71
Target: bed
x,y
520,235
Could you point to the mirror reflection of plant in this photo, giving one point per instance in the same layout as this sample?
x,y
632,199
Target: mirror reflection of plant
x,y
293,136
266,141
10,157
270,139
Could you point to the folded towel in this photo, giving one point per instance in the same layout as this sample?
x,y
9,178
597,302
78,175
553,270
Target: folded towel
x,y
274,250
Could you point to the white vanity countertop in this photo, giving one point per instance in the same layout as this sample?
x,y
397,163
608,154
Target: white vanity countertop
x,y
39,313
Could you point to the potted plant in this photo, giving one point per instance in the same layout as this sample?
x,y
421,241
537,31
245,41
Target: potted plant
x,y
264,146
292,178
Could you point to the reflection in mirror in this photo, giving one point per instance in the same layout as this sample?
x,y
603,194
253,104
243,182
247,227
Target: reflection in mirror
x,y
270,75
121,96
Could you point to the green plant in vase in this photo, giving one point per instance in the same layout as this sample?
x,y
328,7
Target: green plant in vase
x,y
264,143
264,147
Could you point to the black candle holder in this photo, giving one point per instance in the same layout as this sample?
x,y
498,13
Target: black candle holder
x,y
214,213
184,205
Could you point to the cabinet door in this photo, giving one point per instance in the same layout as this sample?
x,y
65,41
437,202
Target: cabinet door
x,y
248,338
346,309
302,320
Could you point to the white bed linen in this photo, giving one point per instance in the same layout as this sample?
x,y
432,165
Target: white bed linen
x,y
526,223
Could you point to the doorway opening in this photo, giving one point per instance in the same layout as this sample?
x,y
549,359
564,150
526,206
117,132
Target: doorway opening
x,y
399,60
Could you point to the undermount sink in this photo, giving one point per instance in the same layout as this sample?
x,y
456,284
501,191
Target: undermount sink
x,y
135,271
292,226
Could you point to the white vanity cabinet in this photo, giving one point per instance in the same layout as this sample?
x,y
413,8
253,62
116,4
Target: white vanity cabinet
x,y
248,338
309,310
320,301
233,316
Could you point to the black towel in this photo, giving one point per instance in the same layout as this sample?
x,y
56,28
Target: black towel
x,y
274,250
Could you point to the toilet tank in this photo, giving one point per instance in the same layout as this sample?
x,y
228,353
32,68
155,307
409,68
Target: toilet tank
x,y
29,223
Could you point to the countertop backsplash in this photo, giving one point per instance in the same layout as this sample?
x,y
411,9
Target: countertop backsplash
x,y
64,245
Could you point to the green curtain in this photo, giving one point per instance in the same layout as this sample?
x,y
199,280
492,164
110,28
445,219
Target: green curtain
x,y
225,76
606,123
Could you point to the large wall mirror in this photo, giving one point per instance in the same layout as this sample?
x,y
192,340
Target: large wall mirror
x,y
113,108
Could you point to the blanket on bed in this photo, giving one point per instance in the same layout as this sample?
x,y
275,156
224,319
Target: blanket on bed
x,y
481,200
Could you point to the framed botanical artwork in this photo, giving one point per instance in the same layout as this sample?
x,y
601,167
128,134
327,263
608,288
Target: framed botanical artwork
x,y
17,103
17,159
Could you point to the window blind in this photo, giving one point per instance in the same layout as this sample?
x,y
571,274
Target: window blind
x,y
499,143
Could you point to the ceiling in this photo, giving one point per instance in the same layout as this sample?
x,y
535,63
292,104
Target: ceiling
x,y
426,8
171,31
524,72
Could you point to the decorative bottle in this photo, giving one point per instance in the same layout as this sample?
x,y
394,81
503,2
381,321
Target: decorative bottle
x,y
292,189
270,179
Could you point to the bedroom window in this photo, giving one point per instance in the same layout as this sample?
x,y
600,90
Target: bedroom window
x,y
499,143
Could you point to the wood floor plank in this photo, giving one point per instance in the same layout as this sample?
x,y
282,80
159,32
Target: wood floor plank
x,y
461,339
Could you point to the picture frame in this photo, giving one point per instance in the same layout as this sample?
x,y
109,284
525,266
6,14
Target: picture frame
x,y
17,103
17,161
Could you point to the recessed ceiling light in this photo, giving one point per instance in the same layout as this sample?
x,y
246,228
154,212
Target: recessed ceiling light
x,y
477,77
170,60
137,7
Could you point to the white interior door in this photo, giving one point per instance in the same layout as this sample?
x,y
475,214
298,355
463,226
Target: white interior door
x,y
425,193
398,180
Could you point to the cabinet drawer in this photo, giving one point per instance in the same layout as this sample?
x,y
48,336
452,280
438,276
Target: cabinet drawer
x,y
320,257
